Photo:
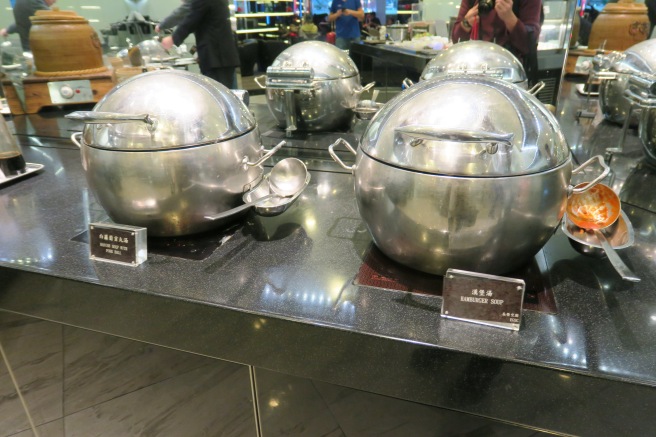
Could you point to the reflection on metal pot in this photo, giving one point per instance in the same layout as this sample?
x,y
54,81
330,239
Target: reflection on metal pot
x,y
313,86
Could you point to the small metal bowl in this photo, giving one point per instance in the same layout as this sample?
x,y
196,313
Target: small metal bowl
x,y
366,109
620,235
274,206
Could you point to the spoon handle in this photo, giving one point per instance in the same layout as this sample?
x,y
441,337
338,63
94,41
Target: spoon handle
x,y
615,259
240,208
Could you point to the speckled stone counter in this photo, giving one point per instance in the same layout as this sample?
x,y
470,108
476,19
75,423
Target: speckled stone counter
x,y
279,294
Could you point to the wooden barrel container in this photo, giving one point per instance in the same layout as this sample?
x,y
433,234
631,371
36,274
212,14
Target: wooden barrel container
x,y
576,28
64,44
621,25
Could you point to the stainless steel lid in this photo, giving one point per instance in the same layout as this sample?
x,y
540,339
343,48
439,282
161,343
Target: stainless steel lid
x,y
466,125
476,57
640,58
183,109
326,60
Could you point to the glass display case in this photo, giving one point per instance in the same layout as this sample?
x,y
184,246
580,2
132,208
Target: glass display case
x,y
553,46
556,29
264,18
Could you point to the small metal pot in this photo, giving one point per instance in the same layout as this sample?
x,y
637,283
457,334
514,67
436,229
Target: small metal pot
x,y
464,172
614,70
166,149
641,91
398,32
313,86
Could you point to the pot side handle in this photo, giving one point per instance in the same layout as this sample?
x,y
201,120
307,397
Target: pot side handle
x,y
367,87
93,117
269,153
76,138
337,158
596,180
257,80
430,133
407,83
641,91
536,88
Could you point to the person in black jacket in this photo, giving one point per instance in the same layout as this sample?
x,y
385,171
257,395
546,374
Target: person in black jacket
x,y
651,13
209,21
23,10
174,18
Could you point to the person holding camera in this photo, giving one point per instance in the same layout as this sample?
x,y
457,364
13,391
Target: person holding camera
x,y
513,24
347,15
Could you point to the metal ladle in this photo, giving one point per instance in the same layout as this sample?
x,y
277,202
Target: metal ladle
x,y
374,96
286,178
595,210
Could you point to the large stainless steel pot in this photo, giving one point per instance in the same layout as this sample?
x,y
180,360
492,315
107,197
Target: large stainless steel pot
x,y
313,86
641,91
398,32
614,69
465,172
476,57
165,149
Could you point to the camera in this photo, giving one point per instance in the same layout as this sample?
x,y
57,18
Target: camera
x,y
485,6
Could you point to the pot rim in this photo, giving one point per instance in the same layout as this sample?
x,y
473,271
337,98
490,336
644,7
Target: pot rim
x,y
568,161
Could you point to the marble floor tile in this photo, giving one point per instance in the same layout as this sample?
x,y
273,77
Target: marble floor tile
x,y
34,350
213,400
100,367
365,414
50,429
291,406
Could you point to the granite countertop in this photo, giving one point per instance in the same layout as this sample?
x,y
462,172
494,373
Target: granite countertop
x,y
281,293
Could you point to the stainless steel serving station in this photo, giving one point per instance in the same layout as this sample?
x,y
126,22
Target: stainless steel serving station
x,y
289,294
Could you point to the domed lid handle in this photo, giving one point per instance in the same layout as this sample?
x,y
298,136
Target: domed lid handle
x,y
420,133
93,117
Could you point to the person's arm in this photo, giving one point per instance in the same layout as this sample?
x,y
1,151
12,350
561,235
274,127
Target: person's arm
x,y
40,5
9,29
198,9
174,18
464,22
359,14
518,26
334,12
505,12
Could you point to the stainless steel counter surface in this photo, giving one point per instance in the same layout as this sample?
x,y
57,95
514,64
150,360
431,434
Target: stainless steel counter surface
x,y
279,293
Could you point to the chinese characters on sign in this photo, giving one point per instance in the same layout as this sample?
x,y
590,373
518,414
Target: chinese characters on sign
x,y
117,243
485,299
487,293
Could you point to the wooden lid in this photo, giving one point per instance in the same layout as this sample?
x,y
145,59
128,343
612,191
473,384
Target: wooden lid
x,y
625,7
55,14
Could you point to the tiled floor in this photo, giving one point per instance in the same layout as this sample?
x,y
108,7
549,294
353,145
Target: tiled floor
x,y
81,383
78,383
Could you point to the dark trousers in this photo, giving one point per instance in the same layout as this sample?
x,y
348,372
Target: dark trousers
x,y
223,75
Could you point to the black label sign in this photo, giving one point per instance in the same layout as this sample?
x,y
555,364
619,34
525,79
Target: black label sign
x,y
486,299
110,243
